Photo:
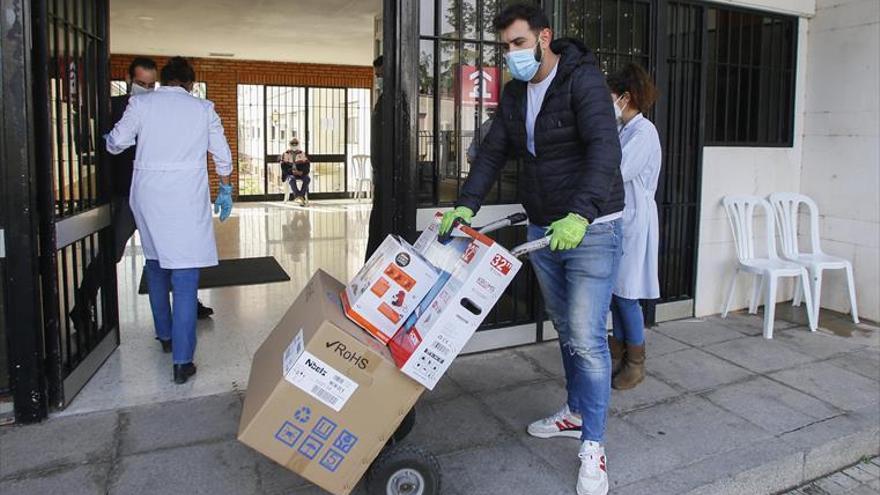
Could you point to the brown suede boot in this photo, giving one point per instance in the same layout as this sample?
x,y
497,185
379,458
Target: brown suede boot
x,y
617,353
633,371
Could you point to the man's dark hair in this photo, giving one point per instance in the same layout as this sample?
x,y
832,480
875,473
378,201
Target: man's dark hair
x,y
533,15
143,63
378,61
178,69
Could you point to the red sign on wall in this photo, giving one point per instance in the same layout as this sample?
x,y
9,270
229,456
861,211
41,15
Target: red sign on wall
x,y
478,84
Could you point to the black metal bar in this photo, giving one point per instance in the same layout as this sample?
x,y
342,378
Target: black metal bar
x,y
20,198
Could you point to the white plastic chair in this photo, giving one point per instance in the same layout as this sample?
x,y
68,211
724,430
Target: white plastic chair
x,y
786,206
740,212
363,182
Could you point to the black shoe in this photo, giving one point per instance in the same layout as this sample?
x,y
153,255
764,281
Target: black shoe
x,y
182,372
203,311
166,345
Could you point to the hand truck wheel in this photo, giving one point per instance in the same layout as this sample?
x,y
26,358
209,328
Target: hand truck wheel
x,y
405,427
404,471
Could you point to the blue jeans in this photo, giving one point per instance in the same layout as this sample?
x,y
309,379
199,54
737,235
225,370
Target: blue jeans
x,y
576,285
179,325
629,322
295,189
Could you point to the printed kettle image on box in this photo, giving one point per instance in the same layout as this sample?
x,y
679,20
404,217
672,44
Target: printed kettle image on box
x,y
388,288
441,326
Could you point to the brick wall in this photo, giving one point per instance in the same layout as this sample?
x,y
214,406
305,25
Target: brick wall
x,y
223,76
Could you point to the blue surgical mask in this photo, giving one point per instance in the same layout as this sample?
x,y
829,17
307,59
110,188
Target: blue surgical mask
x,y
524,64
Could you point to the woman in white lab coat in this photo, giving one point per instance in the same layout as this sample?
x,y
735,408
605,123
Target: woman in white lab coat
x,y
171,202
634,94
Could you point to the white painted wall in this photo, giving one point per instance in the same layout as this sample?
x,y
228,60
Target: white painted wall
x,y
841,154
743,170
835,159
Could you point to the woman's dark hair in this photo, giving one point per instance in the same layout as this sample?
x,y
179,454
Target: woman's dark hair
x,y
178,69
633,79
533,15
143,63
378,61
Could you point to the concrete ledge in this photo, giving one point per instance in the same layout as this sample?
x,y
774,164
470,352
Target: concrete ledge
x,y
775,465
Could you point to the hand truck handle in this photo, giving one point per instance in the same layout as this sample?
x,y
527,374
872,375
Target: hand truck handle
x,y
507,221
531,246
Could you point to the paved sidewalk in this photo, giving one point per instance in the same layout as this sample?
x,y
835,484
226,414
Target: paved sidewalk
x,y
860,479
723,411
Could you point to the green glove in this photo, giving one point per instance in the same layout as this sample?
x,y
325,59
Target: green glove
x,y
461,213
567,233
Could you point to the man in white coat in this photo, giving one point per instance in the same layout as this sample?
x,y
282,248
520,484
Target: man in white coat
x,y
170,199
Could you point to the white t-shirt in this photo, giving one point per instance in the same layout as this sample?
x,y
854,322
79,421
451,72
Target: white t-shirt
x,y
536,94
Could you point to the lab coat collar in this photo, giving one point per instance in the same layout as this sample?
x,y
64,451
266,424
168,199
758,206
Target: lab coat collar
x,y
635,119
172,88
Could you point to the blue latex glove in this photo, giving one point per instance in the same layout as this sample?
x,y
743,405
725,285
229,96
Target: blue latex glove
x,y
223,203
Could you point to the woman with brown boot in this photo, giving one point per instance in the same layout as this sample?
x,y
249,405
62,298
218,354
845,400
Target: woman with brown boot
x,y
634,94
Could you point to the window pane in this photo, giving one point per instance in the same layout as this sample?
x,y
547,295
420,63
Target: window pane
x,y
446,135
426,17
449,18
426,122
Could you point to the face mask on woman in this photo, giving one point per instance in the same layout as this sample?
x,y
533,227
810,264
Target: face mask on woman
x,y
618,112
523,64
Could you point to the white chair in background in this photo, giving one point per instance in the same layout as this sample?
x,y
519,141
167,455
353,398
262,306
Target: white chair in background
x,y
363,183
786,206
740,213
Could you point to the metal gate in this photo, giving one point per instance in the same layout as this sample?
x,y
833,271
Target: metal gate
x,y
70,111
331,124
679,117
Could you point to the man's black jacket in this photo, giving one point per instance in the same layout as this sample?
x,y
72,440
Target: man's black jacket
x,y
577,168
121,165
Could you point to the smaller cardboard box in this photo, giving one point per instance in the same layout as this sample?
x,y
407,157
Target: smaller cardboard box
x,y
476,270
323,397
388,288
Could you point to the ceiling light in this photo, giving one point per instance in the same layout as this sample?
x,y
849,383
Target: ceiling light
x,y
145,18
218,54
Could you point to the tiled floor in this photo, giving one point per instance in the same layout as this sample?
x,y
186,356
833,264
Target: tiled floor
x,y
329,235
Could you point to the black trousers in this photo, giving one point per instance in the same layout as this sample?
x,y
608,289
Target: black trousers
x,y
375,235
124,227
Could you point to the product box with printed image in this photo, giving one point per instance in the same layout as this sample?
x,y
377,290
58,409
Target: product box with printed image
x,y
475,271
323,396
388,288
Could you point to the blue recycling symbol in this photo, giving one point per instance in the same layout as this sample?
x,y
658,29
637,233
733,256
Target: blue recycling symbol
x,y
303,414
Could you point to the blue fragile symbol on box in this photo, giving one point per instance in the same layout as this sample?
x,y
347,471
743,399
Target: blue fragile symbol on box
x,y
331,461
288,434
345,441
310,447
324,428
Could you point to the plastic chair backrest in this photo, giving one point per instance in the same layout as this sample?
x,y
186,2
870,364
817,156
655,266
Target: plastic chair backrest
x,y
786,206
360,166
741,214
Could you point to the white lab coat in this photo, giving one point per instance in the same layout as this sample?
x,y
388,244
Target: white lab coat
x,y
170,195
640,167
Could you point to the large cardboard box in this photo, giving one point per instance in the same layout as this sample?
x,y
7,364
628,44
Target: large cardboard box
x,y
388,288
475,272
323,396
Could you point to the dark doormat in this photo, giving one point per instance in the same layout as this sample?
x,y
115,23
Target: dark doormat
x,y
242,271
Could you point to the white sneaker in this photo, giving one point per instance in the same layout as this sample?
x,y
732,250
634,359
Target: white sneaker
x,y
562,424
592,477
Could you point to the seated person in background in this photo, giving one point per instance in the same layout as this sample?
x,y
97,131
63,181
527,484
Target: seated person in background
x,y
295,167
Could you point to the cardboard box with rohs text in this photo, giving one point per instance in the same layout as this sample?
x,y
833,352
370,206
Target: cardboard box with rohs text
x,y
323,396
475,272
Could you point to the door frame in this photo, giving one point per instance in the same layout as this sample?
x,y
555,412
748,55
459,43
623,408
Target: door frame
x,y
269,159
